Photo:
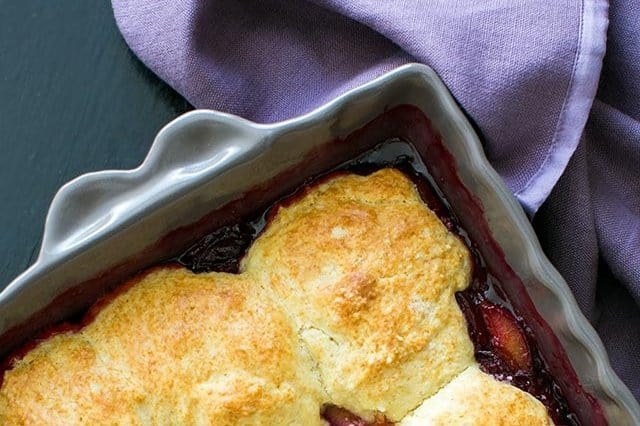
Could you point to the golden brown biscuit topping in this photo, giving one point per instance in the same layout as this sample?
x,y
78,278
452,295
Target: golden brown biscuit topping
x,y
346,299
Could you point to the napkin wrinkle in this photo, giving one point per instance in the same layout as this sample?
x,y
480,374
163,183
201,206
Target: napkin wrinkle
x,y
617,308
573,116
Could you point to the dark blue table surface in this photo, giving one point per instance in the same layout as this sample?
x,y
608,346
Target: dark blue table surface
x,y
73,99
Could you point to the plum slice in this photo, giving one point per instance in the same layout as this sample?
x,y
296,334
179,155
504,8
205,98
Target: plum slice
x,y
338,416
507,337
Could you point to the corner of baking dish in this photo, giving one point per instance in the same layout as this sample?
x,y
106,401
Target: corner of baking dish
x,y
93,206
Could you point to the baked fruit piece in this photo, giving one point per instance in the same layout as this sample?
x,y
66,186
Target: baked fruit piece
x,y
346,300
175,348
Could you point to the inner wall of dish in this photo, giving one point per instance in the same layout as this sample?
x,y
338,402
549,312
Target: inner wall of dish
x,y
405,123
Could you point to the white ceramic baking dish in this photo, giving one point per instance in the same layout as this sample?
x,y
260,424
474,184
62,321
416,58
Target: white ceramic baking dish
x,y
103,226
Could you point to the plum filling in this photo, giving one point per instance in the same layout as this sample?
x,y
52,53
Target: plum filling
x,y
337,416
219,251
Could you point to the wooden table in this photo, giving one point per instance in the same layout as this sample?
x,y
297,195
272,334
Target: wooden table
x,y
73,99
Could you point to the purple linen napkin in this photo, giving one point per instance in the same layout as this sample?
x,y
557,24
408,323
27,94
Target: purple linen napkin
x,y
590,224
525,71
